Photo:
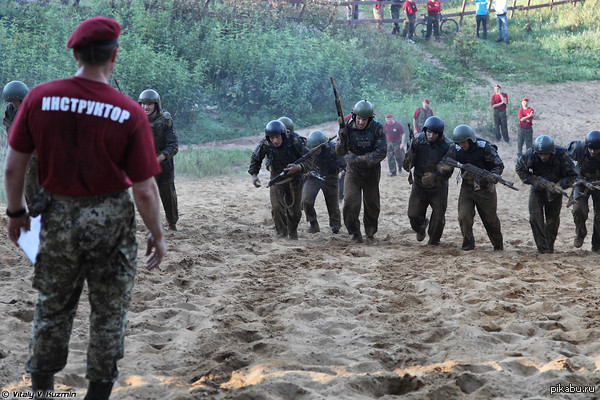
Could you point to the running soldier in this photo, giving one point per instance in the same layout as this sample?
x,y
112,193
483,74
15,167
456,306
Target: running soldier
x,y
430,187
364,146
587,155
475,192
166,146
557,170
325,176
282,149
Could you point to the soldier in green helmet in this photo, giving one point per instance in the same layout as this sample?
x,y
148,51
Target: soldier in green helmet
x,y
364,146
476,193
166,146
289,124
13,93
554,164
324,175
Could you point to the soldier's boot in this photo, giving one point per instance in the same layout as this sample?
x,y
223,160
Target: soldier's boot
x,y
98,391
314,227
357,237
41,383
423,231
578,241
293,234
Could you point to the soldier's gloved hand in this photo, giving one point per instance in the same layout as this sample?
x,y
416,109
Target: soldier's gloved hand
x,y
362,159
429,179
556,188
445,168
293,168
255,181
489,179
538,185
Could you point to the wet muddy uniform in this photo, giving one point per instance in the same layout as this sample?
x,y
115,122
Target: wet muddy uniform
x,y
480,194
426,158
324,176
544,207
364,151
92,143
589,169
286,197
167,144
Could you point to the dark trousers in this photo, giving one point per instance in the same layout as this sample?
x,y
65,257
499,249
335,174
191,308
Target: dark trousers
x,y
482,20
362,185
408,26
500,125
329,187
421,198
395,155
525,136
544,218
168,197
485,201
395,11
286,207
433,23
580,212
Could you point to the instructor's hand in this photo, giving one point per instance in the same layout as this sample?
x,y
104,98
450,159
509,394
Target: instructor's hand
x,y
156,256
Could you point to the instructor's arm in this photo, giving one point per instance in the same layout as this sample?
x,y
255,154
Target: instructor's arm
x,y
145,195
14,183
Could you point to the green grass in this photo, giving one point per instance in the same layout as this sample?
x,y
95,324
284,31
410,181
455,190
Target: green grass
x,y
210,161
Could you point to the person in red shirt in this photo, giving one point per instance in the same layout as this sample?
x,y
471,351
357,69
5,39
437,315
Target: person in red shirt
x,y
499,102
410,13
525,127
433,23
92,143
396,141
420,116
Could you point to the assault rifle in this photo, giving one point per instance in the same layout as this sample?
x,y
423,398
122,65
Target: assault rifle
x,y
284,176
549,186
340,117
588,185
480,173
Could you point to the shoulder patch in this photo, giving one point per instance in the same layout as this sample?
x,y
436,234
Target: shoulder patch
x,y
481,143
458,148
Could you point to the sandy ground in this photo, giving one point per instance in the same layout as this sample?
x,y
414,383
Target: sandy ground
x,y
235,313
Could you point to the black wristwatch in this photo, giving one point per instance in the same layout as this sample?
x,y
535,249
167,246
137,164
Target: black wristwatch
x,y
16,214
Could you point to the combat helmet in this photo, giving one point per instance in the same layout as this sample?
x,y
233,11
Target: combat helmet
x,y
150,96
434,124
363,109
14,91
274,128
544,144
315,138
462,133
592,140
289,124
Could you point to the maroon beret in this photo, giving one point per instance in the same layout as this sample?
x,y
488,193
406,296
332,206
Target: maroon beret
x,y
96,29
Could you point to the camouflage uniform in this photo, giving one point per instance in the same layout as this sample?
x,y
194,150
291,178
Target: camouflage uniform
x,y
327,165
559,169
426,158
589,169
286,207
480,195
76,236
362,177
32,187
166,143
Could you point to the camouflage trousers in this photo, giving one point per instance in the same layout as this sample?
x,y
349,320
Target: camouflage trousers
x,y
329,187
362,183
32,186
395,155
581,209
485,201
90,239
544,218
286,206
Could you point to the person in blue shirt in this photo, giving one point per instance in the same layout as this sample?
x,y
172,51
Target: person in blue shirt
x,y
481,16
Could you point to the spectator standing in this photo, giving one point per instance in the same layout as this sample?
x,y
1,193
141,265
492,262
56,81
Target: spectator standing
x,y
433,22
396,141
525,127
501,7
499,102
410,13
88,231
481,16
420,116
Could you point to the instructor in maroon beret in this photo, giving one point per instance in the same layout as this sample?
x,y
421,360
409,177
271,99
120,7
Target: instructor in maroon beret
x,y
93,143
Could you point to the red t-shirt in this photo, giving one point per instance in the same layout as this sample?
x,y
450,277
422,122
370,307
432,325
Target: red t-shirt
x,y
497,99
409,7
90,139
433,7
393,132
523,113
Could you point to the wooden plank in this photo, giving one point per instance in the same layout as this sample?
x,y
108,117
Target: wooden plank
x,y
462,12
512,12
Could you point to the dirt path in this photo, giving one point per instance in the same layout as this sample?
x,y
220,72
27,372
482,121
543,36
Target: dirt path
x,y
235,313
